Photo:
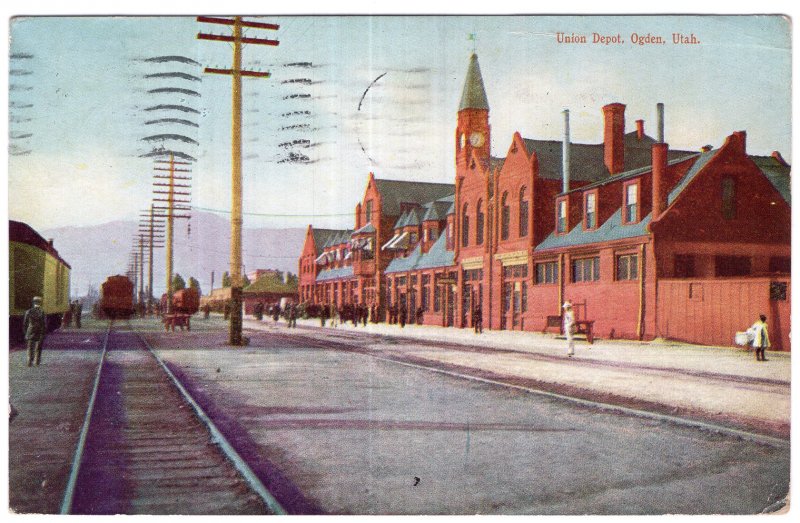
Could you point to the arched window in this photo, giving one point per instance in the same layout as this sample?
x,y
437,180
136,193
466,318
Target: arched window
x,y
464,226
728,198
505,216
479,224
523,212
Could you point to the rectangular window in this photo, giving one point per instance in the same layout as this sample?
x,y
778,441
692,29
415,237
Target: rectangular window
x,y
684,266
524,296
631,203
586,269
780,264
547,272
561,217
369,211
413,239
505,216
777,290
437,297
523,218
627,267
591,211
731,266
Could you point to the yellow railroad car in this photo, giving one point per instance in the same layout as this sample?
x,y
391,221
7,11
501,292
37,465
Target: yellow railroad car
x,y
35,269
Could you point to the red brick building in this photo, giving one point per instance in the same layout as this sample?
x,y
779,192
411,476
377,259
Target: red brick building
x,y
646,241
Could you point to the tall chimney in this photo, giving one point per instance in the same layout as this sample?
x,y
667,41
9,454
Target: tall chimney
x,y
565,154
660,189
614,137
660,122
639,130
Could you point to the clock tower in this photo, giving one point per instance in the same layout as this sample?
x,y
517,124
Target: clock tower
x,y
472,130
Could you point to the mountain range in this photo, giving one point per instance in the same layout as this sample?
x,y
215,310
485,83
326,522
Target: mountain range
x,y
201,245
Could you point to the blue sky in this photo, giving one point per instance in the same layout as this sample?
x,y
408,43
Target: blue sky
x,y
88,98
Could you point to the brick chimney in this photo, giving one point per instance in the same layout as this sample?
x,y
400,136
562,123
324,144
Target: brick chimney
x,y
639,129
779,158
614,137
737,141
660,189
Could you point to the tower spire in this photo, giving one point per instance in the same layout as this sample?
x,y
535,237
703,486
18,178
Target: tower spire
x,y
474,94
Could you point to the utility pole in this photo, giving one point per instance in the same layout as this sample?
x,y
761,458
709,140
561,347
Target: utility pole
x,y
236,73
151,223
172,204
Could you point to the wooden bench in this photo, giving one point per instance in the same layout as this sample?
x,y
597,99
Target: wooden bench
x,y
585,327
176,320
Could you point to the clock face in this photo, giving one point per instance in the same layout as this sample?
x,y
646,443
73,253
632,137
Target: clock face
x,y
476,139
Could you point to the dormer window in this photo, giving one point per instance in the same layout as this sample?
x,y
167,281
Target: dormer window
x,y
631,204
414,237
590,211
561,216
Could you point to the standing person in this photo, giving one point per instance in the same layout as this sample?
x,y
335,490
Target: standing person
x,y
292,315
323,315
78,313
34,326
402,313
569,328
760,337
276,312
364,314
206,311
477,320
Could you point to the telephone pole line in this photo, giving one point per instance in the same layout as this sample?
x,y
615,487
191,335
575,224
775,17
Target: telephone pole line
x,y
236,73
172,204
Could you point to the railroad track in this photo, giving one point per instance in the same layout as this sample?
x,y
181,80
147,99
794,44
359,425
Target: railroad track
x,y
146,447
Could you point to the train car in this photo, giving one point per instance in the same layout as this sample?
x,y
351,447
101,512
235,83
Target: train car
x,y
35,269
116,297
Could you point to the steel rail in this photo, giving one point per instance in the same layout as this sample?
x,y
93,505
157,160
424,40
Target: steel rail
x,y
219,439
69,492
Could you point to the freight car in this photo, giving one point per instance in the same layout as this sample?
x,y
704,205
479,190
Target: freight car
x,y
185,302
116,297
35,269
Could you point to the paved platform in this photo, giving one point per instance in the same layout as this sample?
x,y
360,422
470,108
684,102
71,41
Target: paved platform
x,y
50,403
725,384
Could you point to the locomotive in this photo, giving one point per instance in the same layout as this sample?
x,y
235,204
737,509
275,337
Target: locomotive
x,y
35,269
116,297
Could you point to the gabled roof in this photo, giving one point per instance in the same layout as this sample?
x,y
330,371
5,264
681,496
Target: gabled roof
x,y
632,173
338,237
435,211
587,160
474,94
702,160
612,229
322,237
396,192
778,173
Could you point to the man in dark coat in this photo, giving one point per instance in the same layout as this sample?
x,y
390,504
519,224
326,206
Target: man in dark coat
x,y
34,326
402,314
477,319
